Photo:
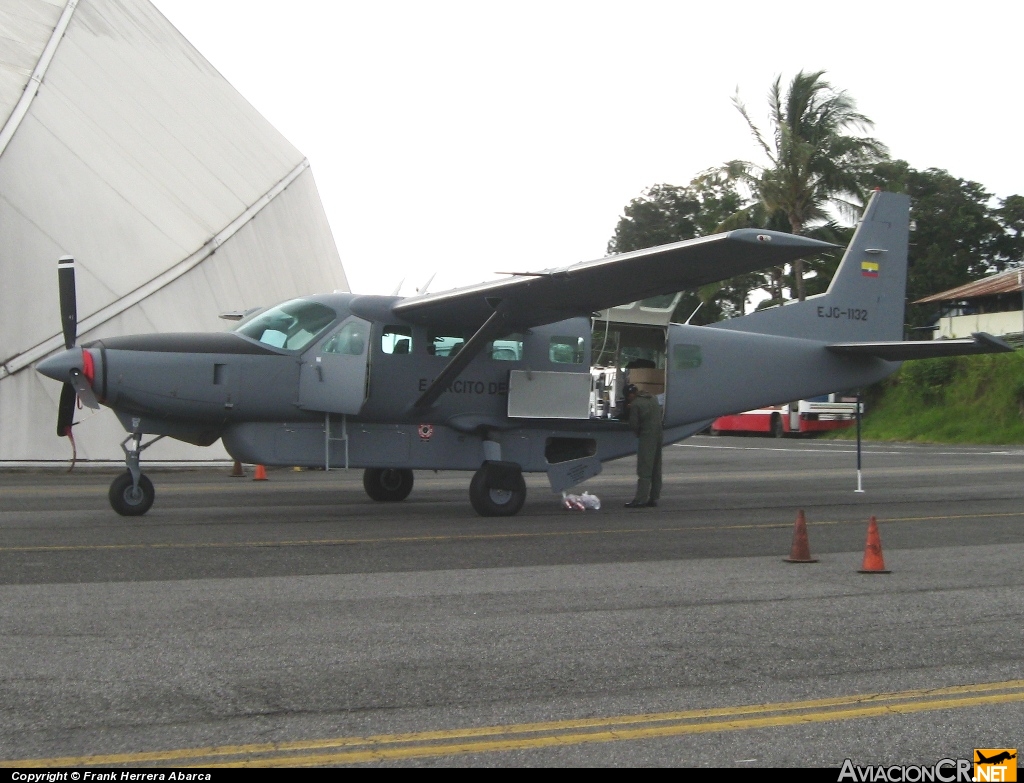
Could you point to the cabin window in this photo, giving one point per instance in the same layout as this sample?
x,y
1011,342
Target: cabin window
x,y
351,340
507,349
445,342
566,350
292,325
396,339
686,357
661,302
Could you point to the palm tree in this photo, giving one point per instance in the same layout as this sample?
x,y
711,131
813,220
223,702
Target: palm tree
x,y
813,162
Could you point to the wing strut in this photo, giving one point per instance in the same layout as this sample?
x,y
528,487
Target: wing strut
x,y
495,326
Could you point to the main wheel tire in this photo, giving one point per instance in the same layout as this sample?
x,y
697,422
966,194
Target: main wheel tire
x,y
387,484
777,429
128,501
489,502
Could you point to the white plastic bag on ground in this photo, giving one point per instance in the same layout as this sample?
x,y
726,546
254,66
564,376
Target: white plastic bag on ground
x,y
581,502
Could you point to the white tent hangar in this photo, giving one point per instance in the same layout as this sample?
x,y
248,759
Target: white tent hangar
x,y
121,146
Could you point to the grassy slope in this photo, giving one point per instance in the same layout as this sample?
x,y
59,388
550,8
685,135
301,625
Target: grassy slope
x,y
967,399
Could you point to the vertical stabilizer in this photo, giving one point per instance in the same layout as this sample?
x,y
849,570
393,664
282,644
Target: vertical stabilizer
x,y
865,300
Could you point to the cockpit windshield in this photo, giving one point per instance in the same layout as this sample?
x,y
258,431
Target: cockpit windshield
x,y
292,325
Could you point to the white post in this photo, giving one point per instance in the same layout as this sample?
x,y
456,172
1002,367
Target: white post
x,y
860,487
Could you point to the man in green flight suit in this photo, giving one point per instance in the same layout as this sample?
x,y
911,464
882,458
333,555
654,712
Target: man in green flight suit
x,y
645,421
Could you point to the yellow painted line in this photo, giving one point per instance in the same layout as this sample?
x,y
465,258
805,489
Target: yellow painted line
x,y
484,536
163,488
401,539
618,735
386,540
876,703
352,483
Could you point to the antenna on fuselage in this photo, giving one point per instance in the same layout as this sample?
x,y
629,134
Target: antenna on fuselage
x,y
398,287
423,288
694,312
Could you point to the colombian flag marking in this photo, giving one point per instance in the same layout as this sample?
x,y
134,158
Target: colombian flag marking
x,y
869,268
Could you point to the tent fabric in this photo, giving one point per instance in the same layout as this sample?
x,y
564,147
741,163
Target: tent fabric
x,y
176,198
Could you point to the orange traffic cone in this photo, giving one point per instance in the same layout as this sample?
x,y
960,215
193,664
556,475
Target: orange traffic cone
x,y
236,471
260,474
800,552
874,563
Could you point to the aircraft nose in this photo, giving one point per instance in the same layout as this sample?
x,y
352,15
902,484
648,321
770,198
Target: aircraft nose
x,y
59,367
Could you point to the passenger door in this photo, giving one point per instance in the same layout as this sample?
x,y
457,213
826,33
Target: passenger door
x,y
333,375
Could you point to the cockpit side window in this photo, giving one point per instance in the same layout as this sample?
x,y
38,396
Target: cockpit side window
x,y
351,340
292,325
396,339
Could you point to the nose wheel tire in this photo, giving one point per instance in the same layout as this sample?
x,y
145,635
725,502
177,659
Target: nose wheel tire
x,y
130,501
387,484
491,502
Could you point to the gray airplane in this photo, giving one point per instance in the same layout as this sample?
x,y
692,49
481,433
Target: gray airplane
x,y
513,376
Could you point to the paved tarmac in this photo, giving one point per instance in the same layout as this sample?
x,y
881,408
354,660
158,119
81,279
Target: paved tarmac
x,y
295,621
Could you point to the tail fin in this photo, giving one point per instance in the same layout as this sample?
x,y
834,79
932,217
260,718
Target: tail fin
x,y
865,300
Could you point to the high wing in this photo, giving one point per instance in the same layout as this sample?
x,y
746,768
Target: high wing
x,y
979,342
537,298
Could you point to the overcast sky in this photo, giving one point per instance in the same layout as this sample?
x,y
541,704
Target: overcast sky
x,y
468,138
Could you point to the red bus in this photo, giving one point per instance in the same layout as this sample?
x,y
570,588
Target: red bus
x,y
819,414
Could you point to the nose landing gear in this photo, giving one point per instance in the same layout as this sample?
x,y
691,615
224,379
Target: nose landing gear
x,y
129,499
131,494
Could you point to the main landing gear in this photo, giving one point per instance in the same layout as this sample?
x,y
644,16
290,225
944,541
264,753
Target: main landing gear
x,y
498,489
387,484
131,494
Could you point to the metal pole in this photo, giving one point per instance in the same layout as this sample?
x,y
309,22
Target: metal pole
x,y
1020,285
860,488
327,443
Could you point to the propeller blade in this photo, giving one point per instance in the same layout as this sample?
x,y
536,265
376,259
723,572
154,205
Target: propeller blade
x,y
84,390
68,300
66,410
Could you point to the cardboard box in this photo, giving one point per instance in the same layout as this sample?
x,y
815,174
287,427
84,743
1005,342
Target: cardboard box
x,y
648,380
641,375
654,389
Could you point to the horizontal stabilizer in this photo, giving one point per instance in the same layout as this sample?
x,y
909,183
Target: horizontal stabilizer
x,y
979,342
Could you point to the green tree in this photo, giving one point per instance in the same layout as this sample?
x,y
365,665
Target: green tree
x,y
818,270
671,213
1011,215
814,161
959,236
660,215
